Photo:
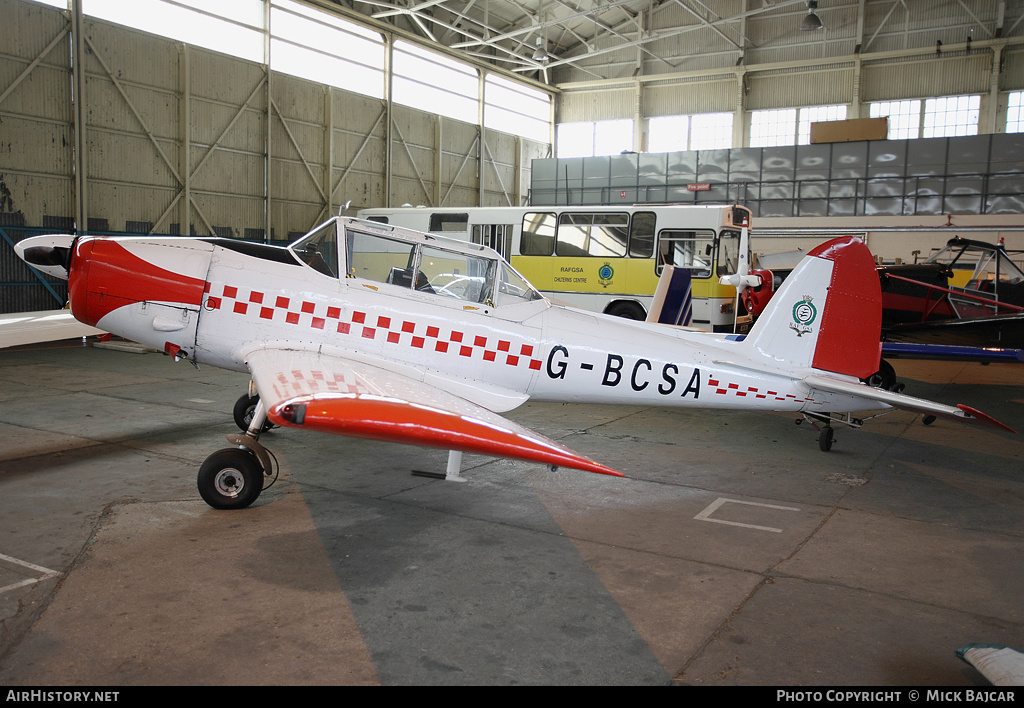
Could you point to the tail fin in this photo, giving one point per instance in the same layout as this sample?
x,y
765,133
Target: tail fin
x,y
828,313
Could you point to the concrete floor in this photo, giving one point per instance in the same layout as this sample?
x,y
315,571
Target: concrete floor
x,y
734,553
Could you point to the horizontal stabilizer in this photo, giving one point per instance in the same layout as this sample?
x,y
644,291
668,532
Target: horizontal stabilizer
x,y
960,413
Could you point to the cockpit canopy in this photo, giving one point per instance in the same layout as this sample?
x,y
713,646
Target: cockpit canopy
x,y
409,259
988,265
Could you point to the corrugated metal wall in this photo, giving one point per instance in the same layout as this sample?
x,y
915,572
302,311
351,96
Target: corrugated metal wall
x,y
36,135
609,103
824,86
713,96
183,140
927,77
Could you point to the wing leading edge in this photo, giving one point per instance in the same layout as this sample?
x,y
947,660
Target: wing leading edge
x,y
312,390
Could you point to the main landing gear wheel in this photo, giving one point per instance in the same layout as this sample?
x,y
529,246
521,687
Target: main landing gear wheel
x,y
628,310
884,378
231,478
826,438
243,411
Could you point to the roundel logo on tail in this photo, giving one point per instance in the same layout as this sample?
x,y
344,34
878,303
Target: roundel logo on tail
x,y
804,314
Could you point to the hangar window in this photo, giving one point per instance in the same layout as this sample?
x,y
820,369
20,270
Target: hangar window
x,y
951,115
1015,112
904,118
434,83
771,128
588,139
234,27
702,131
668,134
322,47
790,126
711,131
517,109
816,114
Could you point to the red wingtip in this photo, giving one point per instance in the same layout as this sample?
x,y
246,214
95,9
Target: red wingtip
x,y
983,419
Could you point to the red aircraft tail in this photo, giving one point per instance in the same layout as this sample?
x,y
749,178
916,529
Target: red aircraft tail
x,y
828,313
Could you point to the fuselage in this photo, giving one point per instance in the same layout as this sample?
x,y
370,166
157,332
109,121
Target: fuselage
x,y
214,301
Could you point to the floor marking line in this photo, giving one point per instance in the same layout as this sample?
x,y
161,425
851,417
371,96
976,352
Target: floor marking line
x,y
714,506
46,573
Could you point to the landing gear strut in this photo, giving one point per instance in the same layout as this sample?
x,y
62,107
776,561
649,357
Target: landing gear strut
x,y
243,412
826,433
234,477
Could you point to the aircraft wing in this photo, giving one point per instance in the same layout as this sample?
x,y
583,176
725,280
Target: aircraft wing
x,y
1001,665
960,412
46,326
313,390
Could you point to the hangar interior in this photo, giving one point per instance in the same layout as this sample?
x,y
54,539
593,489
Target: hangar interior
x,y
732,554
278,114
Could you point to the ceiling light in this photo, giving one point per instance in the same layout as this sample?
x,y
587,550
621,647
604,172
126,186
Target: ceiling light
x,y
540,53
811,21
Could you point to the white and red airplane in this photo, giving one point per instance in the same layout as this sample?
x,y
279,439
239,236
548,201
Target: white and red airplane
x,y
374,331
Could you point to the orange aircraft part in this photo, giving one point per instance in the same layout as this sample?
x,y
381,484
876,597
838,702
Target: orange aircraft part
x,y
400,421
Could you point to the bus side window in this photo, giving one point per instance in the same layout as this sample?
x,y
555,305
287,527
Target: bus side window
x,y
641,235
443,222
609,235
687,249
538,237
573,234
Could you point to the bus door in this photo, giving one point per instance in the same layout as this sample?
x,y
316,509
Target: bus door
x,y
496,236
693,249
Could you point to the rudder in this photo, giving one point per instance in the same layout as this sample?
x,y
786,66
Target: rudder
x,y
827,314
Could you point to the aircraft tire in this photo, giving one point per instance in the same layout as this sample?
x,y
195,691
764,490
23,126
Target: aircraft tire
x,y
826,438
230,479
628,310
884,378
245,406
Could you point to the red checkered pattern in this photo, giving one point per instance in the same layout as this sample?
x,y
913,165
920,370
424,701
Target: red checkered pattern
x,y
302,382
734,389
398,331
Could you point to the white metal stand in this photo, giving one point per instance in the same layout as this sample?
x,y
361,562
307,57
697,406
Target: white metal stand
x,y
454,467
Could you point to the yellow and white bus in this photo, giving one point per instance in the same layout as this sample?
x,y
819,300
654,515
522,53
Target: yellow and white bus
x,y
602,258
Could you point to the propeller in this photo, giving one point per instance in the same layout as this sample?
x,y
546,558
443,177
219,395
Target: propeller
x,y
50,254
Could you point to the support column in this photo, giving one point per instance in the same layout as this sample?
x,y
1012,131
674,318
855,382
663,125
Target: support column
x,y
81,141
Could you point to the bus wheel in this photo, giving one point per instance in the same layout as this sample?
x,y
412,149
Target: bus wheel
x,y
628,310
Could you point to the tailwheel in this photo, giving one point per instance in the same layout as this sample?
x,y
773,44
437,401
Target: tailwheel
x,y
826,438
243,412
231,478
884,378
